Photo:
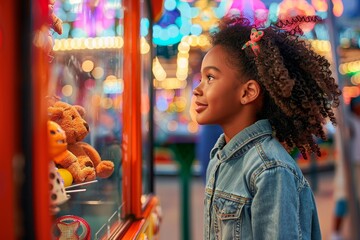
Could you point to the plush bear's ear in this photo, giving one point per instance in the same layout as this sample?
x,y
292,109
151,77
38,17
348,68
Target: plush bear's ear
x,y
62,105
51,100
55,113
80,110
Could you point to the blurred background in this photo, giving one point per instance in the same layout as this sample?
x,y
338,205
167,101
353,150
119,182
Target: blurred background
x,y
134,70
181,145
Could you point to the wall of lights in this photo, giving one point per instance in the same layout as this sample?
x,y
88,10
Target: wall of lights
x,y
185,25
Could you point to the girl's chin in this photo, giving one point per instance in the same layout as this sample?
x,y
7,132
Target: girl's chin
x,y
202,121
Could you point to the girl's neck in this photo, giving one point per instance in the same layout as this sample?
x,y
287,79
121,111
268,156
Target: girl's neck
x,y
245,118
230,131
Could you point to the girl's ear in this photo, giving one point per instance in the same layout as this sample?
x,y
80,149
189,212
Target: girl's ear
x,y
251,90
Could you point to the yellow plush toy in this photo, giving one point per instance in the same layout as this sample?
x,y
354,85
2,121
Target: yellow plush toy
x,y
82,160
56,140
58,151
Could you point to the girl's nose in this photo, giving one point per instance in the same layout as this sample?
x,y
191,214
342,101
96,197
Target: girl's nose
x,y
197,90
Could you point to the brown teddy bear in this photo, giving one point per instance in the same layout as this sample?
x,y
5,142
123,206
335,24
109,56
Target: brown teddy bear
x,y
82,160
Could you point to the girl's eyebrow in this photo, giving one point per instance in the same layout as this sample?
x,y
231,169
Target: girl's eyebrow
x,y
210,67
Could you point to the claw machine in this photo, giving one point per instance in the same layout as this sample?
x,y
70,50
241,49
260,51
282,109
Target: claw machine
x,y
78,156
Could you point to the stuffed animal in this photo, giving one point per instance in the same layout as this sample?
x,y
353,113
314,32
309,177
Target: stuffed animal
x,y
255,36
63,158
82,160
56,140
55,23
57,149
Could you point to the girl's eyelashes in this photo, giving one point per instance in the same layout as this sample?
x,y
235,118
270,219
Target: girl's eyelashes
x,y
209,77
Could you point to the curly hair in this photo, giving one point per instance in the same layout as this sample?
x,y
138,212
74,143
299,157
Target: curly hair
x,y
298,88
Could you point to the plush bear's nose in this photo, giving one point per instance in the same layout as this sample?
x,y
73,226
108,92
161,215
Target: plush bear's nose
x,y
89,164
87,126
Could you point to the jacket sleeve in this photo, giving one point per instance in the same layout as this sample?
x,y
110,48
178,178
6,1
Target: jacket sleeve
x,y
275,206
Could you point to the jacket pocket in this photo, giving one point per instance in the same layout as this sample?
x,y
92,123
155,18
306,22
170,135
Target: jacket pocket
x,y
228,209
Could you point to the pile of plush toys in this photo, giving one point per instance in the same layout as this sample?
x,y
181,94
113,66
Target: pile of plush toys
x,y
79,158
74,160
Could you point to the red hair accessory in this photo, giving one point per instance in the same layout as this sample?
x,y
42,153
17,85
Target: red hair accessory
x,y
255,36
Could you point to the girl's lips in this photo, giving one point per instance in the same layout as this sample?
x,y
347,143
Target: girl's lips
x,y
200,107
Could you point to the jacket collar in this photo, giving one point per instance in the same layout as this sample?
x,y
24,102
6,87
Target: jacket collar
x,y
241,139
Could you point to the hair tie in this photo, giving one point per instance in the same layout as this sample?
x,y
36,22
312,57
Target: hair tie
x,y
255,36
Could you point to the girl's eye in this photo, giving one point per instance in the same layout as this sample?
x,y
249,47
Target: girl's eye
x,y
209,77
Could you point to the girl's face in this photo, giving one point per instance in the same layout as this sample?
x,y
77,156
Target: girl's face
x,y
218,93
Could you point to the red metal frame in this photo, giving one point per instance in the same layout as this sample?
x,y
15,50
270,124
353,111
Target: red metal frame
x,y
132,118
40,158
9,116
138,226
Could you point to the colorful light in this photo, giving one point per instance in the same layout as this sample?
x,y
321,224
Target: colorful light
x,y
113,85
94,19
338,8
167,31
255,10
292,8
205,17
322,5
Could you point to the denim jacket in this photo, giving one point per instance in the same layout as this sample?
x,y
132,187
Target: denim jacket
x,y
255,190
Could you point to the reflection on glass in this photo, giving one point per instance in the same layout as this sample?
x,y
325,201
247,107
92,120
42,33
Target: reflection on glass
x,y
146,59
87,70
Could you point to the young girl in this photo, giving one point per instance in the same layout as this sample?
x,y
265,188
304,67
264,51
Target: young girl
x,y
270,93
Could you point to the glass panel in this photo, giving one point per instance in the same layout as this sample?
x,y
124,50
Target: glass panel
x,y
86,70
145,48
